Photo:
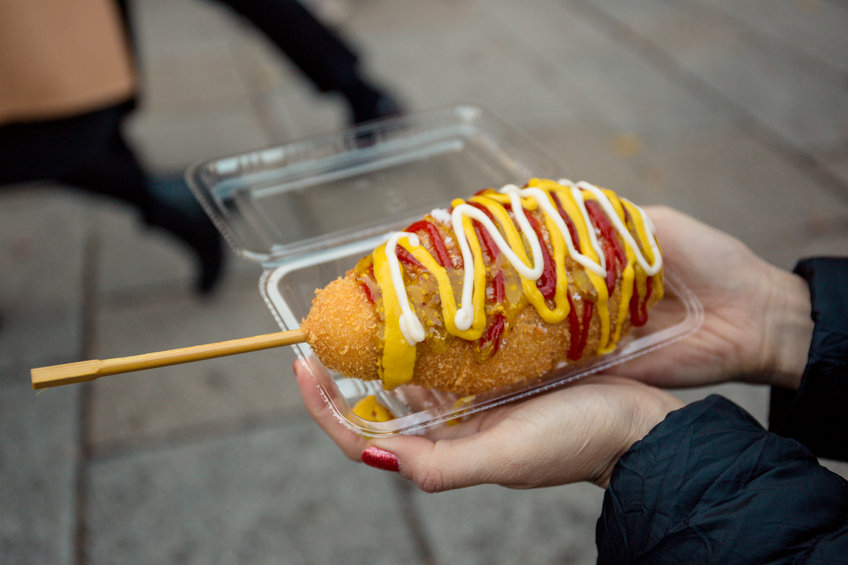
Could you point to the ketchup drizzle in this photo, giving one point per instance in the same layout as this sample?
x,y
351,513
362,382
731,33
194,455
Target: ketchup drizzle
x,y
494,332
436,241
572,231
483,234
367,289
547,283
579,332
639,311
407,258
639,308
613,253
497,323
498,290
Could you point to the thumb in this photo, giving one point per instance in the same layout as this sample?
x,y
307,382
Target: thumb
x,y
445,464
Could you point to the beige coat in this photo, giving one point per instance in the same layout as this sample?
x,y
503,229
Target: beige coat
x,y
59,58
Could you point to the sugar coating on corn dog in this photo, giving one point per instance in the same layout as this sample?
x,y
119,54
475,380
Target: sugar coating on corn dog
x,y
503,287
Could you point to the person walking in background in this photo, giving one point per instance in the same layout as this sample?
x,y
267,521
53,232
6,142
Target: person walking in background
x,y
69,80
67,84
320,53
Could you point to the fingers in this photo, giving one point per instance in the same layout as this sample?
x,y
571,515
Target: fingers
x,y
437,466
433,465
513,446
309,377
521,445
571,435
564,436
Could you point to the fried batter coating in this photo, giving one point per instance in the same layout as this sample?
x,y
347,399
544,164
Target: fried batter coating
x,y
342,330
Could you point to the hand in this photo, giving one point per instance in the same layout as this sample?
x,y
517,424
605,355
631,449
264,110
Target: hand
x,y
757,325
572,434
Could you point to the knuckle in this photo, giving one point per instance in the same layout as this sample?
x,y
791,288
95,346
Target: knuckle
x,y
430,480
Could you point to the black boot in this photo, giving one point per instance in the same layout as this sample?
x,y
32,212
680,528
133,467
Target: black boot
x,y
366,103
175,210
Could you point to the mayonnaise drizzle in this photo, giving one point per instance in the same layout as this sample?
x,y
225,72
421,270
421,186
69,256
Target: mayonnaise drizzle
x,y
409,323
605,203
544,202
599,269
465,313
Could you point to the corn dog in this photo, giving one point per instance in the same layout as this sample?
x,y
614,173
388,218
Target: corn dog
x,y
503,287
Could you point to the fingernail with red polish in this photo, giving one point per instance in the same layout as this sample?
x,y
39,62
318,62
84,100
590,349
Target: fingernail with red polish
x,y
380,459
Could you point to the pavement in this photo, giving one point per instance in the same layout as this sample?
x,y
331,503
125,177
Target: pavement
x,y
736,113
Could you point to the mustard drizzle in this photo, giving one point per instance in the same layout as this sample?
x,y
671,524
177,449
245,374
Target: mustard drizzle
x,y
467,319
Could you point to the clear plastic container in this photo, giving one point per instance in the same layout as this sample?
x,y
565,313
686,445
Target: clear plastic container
x,y
309,210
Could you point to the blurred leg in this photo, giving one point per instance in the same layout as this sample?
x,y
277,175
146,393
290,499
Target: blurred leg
x,y
116,172
320,54
316,50
88,152
43,150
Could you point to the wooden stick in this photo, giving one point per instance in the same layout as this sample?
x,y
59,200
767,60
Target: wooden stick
x,y
68,373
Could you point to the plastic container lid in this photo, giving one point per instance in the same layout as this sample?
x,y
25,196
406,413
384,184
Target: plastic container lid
x,y
316,193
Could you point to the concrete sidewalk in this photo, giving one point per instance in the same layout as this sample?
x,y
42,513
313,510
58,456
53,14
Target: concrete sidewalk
x,y
736,114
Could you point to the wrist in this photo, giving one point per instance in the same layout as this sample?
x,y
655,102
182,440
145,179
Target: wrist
x,y
788,330
651,407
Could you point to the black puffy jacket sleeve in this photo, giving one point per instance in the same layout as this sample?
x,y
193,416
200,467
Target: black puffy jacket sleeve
x,y
710,485
817,413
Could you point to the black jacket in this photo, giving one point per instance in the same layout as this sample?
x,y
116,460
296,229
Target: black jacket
x,y
710,485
